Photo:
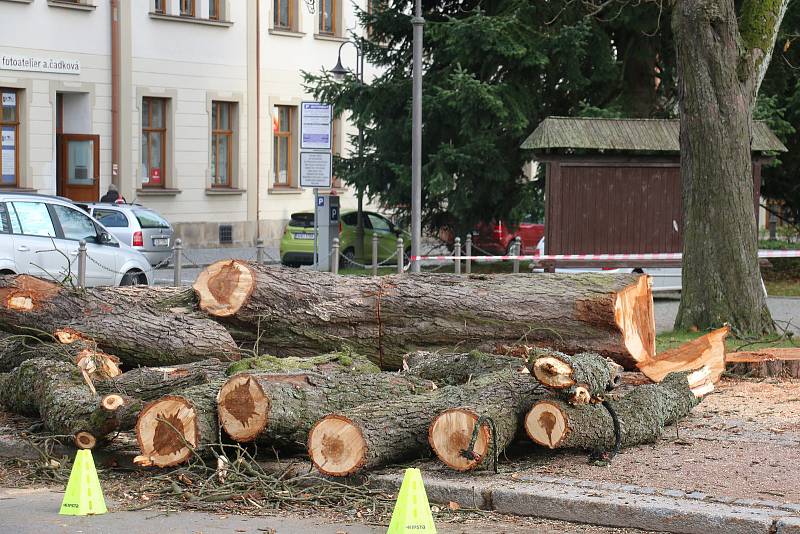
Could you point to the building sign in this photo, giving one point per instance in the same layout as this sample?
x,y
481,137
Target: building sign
x,y
316,169
8,155
9,100
315,126
40,64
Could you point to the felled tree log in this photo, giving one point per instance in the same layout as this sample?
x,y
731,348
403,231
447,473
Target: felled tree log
x,y
378,433
643,413
308,312
577,378
449,368
171,429
325,363
763,363
281,408
56,393
160,298
16,348
706,351
138,335
148,383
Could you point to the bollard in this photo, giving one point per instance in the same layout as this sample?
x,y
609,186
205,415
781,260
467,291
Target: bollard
x,y
335,256
468,263
259,250
375,254
177,262
399,255
457,254
82,264
517,249
773,226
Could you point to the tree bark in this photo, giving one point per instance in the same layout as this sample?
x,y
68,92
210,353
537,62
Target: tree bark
x,y
281,408
334,362
148,383
307,312
17,348
379,433
643,413
171,429
452,369
719,74
578,378
138,335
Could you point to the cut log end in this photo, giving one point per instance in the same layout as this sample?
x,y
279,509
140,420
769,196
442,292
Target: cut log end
x,y
224,287
112,403
546,424
552,372
167,431
84,440
243,408
449,436
635,317
581,395
67,336
336,446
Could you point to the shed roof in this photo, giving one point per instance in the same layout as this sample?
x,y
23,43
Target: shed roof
x,y
641,135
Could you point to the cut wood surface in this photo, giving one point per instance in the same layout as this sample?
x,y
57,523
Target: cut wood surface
x,y
379,433
148,383
579,378
309,312
762,363
325,363
454,368
138,335
171,429
643,413
707,350
281,408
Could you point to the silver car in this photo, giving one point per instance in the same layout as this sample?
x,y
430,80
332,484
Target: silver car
x,y
136,226
40,235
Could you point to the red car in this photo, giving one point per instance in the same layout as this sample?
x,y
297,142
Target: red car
x,y
498,238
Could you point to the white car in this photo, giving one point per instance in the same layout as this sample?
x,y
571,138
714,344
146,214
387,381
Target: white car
x,y
40,234
664,278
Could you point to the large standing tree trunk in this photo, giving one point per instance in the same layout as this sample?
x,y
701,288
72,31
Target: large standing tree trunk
x,y
307,312
720,69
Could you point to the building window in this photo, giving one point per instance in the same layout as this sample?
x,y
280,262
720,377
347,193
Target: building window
x,y
222,124
154,141
283,16
214,9
158,7
187,8
283,149
328,16
9,137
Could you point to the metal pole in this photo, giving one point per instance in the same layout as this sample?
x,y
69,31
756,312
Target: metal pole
x,y
335,256
457,254
773,226
416,136
177,262
82,264
399,255
375,254
360,192
517,247
316,229
468,265
259,250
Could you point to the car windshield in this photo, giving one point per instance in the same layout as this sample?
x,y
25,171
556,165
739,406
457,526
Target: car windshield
x,y
302,220
150,219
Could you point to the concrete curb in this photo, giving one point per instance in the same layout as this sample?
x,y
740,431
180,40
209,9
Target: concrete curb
x,y
609,506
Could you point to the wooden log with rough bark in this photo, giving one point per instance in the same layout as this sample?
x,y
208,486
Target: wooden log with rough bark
x,y
342,361
138,335
308,312
379,433
578,378
706,351
281,408
454,368
148,383
763,363
16,348
171,429
642,413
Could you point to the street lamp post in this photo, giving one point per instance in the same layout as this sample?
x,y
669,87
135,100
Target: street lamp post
x,y
416,136
339,72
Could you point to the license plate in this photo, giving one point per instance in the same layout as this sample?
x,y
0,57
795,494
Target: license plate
x,y
161,241
304,236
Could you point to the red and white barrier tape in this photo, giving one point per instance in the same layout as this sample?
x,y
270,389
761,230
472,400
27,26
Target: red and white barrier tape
x,y
598,257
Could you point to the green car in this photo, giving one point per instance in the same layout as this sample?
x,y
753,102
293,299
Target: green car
x,y
297,244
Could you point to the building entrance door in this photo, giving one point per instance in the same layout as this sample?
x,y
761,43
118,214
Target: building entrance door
x,y
77,151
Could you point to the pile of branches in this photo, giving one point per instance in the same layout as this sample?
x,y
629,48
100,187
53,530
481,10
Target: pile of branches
x,y
361,372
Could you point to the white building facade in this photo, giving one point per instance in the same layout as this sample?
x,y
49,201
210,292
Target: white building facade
x,y
190,107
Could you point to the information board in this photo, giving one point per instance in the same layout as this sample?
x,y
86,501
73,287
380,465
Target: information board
x,y
315,126
316,169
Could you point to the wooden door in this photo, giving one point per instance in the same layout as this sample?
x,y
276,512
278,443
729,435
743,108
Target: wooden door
x,y
79,167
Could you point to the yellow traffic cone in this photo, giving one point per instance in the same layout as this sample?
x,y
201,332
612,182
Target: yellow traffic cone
x,y
84,495
412,513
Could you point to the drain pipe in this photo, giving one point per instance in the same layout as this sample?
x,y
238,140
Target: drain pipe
x,y
258,119
115,89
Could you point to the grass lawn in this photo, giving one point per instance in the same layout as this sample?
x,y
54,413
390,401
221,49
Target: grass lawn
x,y
670,340
783,288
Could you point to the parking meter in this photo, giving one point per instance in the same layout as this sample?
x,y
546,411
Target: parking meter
x,y
327,219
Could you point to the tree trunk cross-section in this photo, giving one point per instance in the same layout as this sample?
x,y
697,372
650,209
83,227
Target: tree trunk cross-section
x,y
138,335
307,312
281,408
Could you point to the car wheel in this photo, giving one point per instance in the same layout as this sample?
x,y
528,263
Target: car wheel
x,y
348,258
133,278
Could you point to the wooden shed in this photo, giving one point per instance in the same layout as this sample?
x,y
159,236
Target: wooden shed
x,y
613,185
